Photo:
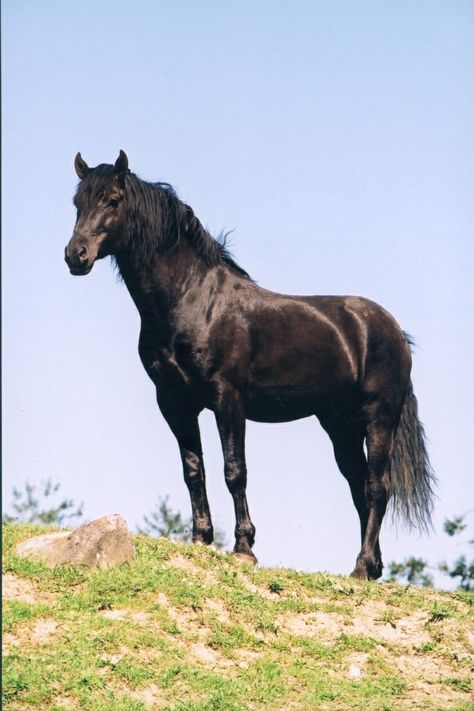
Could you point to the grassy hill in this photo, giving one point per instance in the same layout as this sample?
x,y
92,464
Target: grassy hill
x,y
190,628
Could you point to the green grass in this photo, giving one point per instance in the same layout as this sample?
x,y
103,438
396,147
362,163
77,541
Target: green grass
x,y
190,628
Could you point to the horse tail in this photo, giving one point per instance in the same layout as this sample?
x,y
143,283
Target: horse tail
x,y
412,478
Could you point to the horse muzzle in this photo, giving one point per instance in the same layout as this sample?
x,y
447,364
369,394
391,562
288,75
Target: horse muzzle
x,y
78,259
81,252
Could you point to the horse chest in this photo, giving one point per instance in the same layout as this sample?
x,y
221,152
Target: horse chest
x,y
174,364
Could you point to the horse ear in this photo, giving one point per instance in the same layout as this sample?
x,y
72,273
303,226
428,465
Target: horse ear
x,y
81,166
121,165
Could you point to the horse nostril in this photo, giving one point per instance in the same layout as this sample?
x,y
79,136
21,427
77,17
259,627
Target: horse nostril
x,y
82,254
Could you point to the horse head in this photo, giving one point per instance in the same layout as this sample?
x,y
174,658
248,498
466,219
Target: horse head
x,y
101,224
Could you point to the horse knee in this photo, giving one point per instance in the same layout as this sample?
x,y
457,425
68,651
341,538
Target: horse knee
x,y
191,460
193,472
235,476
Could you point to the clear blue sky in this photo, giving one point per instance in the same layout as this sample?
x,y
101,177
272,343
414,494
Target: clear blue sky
x,y
336,138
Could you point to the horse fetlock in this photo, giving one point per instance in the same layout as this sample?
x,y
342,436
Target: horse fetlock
x,y
203,533
203,538
245,532
367,567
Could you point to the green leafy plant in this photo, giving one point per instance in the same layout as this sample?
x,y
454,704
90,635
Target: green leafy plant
x,y
414,571
276,587
34,504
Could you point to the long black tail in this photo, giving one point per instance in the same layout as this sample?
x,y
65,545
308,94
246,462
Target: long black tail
x,y
412,478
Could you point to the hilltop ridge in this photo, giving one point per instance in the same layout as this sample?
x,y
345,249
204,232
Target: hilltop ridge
x,y
190,628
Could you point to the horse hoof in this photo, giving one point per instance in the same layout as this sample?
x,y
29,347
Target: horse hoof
x,y
248,558
369,573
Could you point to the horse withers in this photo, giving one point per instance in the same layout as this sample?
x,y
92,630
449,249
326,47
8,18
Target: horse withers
x,y
212,338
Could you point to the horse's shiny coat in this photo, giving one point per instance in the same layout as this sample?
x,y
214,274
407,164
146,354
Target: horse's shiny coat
x,y
212,338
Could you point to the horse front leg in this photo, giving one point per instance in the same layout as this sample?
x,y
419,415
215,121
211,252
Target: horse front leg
x,y
231,425
183,423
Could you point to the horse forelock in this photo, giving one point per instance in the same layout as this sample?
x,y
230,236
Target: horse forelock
x,y
96,182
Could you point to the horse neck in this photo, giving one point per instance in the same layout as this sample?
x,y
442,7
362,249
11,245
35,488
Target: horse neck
x,y
160,286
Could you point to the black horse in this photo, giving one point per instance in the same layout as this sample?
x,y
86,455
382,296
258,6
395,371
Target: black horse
x,y
212,338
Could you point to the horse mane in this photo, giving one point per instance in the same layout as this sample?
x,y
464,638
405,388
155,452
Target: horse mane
x,y
158,220
410,340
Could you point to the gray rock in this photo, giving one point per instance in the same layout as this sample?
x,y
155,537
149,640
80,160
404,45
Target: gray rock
x,y
102,543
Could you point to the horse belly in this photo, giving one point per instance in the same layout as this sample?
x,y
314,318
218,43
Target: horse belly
x,y
292,383
274,410
283,404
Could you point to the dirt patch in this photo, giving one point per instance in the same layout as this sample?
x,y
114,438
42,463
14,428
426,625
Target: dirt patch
x,y
140,617
163,600
256,589
367,622
152,696
9,642
118,614
314,600
21,590
245,657
209,657
422,669
429,675
187,620
327,626
450,634
186,564
218,607
42,632
407,631
65,702
18,589
182,563
356,665
421,692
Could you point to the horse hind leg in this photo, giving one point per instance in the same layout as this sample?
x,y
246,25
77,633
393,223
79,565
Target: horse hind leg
x,y
379,440
349,452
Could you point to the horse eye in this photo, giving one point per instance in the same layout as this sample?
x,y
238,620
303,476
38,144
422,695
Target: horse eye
x,y
113,203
